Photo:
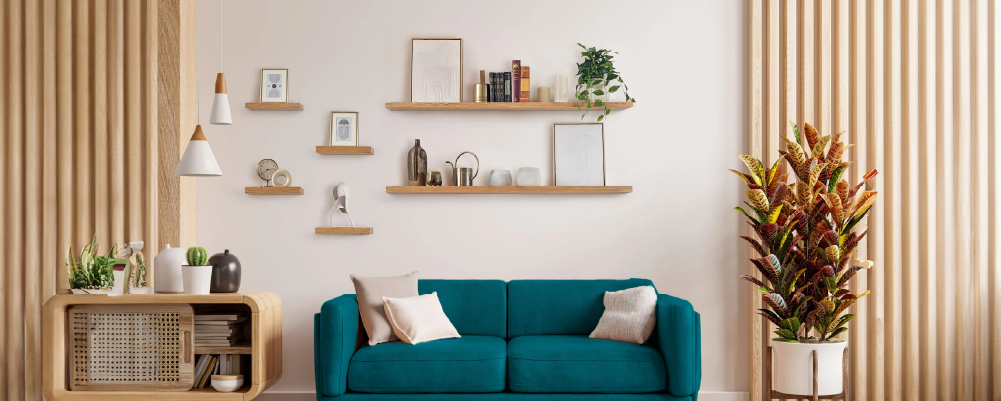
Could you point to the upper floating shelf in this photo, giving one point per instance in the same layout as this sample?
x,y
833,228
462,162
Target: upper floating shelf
x,y
498,106
273,190
509,190
345,150
275,106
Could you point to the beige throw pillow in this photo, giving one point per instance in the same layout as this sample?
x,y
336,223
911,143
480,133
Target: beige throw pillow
x,y
419,319
370,291
630,315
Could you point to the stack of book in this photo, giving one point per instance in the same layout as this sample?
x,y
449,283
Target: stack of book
x,y
207,365
510,86
219,329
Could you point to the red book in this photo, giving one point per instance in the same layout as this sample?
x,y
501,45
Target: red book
x,y
515,80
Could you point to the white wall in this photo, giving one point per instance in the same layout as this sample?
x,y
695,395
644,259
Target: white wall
x,y
683,60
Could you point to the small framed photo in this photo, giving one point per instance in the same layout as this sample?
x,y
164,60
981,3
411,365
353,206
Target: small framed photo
x,y
344,128
274,85
436,70
579,154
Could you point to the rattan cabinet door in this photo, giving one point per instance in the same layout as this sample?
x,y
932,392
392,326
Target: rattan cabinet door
x,y
131,347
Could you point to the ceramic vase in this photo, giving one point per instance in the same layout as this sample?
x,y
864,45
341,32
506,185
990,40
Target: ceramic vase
x,y
167,276
529,177
499,178
226,272
792,367
417,165
197,279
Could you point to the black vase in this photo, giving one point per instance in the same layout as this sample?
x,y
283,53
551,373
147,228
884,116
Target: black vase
x,y
226,272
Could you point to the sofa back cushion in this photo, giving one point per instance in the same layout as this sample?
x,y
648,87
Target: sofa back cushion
x,y
475,307
559,307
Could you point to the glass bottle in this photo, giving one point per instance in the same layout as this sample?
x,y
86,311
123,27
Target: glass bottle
x,y
417,166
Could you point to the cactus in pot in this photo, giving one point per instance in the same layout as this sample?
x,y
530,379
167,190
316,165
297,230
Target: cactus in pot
x,y
197,274
197,256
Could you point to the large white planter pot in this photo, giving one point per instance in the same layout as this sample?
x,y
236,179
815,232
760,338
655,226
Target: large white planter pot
x,y
197,279
167,276
792,367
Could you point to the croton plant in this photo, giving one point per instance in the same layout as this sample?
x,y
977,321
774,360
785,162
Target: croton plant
x,y
805,239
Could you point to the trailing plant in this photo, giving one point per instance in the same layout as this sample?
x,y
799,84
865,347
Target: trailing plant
x,y
595,76
90,271
805,235
197,256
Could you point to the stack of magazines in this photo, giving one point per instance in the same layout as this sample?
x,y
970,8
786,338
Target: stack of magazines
x,y
219,329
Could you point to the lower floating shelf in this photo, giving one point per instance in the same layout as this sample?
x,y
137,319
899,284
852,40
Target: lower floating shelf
x,y
509,190
273,190
344,230
345,150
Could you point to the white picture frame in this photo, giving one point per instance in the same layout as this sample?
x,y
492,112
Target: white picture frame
x,y
579,154
343,128
274,85
435,70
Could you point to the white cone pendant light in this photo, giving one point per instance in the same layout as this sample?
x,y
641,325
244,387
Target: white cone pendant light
x,y
220,104
198,160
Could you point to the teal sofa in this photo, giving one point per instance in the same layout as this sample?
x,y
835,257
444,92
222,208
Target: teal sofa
x,y
521,340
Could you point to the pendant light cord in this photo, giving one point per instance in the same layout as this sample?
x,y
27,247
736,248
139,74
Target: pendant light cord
x,y
220,35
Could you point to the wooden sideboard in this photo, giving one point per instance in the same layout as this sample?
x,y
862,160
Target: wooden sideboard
x,y
264,345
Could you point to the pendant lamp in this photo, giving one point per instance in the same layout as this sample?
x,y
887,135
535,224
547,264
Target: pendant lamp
x,y
220,103
198,160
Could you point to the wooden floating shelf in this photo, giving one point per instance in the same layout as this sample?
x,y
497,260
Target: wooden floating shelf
x,y
275,106
498,106
509,190
345,150
242,348
273,190
344,230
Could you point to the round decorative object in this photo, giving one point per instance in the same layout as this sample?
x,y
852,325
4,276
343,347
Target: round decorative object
x,y
434,179
226,272
282,173
227,383
266,168
499,178
167,270
529,177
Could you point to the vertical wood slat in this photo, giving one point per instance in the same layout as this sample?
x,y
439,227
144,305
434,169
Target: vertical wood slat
x,y
909,224
7,288
944,257
822,65
133,118
893,217
773,124
858,106
876,115
49,259
807,81
15,202
64,134
961,140
100,78
82,186
756,116
32,186
789,67
151,137
116,94
928,242
979,205
994,208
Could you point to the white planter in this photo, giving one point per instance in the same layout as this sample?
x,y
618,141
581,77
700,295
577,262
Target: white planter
x,y
197,279
103,291
792,367
167,276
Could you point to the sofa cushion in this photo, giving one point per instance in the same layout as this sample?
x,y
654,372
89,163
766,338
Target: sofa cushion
x,y
475,307
471,364
540,307
578,364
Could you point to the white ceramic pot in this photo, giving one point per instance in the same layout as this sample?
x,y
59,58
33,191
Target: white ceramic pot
x,y
167,276
792,367
499,178
197,279
103,291
529,177
227,383
120,282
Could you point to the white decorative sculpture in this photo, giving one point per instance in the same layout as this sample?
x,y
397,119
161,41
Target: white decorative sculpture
x,y
341,192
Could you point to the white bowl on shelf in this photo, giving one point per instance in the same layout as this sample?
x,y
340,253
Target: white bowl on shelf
x,y
227,383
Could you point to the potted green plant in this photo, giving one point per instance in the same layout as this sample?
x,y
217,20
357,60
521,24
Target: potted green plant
x,y
197,274
596,79
89,273
805,250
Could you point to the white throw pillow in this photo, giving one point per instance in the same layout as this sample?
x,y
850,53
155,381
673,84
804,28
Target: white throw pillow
x,y
419,319
630,315
370,291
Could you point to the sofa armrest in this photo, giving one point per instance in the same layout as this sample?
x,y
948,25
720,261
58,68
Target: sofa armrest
x,y
679,336
335,334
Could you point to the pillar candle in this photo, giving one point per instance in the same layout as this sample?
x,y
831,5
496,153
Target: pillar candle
x,y
544,94
561,88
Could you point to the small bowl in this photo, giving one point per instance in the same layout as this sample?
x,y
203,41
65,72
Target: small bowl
x,y
227,383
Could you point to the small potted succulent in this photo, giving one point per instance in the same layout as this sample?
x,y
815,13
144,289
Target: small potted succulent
x,y
197,274
91,274
596,80
807,234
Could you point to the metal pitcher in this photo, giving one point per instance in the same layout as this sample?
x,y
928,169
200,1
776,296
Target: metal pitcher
x,y
463,176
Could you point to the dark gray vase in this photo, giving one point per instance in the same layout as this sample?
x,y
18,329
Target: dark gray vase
x,y
226,272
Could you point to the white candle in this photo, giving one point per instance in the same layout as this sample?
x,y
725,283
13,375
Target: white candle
x,y
561,88
544,94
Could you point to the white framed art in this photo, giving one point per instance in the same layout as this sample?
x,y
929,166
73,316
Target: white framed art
x,y
579,154
343,128
436,70
274,85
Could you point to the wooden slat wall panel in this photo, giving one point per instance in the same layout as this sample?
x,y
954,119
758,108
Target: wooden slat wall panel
x,y
79,114
916,84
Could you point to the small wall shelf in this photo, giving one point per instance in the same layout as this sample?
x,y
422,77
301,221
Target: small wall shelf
x,y
273,190
275,106
498,106
345,150
344,230
509,190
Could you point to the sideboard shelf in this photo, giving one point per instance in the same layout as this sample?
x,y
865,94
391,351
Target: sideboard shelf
x,y
242,349
275,106
509,190
273,190
498,106
345,150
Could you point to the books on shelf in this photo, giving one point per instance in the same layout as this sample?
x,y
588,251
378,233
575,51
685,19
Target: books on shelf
x,y
507,87
515,81
525,87
219,329
207,365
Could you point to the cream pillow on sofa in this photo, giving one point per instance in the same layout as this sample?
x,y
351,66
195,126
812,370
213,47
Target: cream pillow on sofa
x,y
370,292
630,315
418,319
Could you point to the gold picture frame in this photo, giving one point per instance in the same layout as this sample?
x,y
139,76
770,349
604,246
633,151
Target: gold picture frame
x,y
265,99
413,41
556,181
351,128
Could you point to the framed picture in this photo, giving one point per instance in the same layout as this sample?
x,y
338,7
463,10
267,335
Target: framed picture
x,y
274,85
579,154
344,128
436,70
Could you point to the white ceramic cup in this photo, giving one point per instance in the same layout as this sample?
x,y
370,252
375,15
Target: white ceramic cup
x,y
529,177
227,383
197,279
499,178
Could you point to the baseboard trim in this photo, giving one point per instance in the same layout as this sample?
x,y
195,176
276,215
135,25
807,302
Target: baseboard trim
x,y
311,396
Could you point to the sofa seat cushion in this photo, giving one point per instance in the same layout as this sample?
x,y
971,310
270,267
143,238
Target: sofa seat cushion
x,y
578,364
471,364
